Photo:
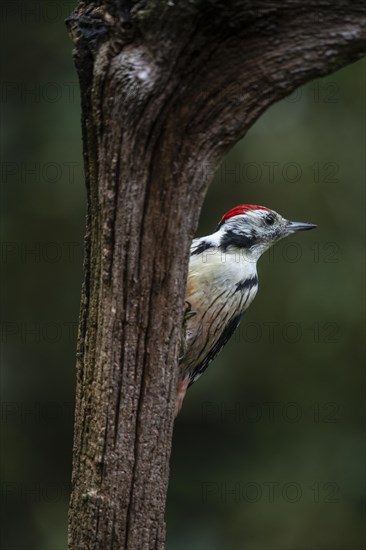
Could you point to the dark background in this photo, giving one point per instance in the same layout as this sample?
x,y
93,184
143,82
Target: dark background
x,y
269,450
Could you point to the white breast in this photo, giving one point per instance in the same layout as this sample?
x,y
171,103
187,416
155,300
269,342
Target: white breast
x,y
217,295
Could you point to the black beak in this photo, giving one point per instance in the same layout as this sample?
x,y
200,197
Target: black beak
x,y
299,226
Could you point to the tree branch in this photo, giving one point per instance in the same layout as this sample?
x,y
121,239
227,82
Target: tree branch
x,y
166,89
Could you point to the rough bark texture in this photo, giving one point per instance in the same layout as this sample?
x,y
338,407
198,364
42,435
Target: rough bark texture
x,y
167,87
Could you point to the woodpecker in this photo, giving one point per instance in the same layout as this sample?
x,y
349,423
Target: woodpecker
x,y
222,283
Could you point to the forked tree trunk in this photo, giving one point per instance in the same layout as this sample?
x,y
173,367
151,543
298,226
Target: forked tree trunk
x,y
167,87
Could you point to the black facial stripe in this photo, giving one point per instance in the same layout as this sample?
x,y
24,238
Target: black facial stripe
x,y
239,240
277,233
247,284
204,245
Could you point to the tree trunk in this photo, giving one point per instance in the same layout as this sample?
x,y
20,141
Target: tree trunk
x,y
167,87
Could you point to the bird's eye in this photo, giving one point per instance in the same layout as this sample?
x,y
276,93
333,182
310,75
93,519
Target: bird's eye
x,y
269,220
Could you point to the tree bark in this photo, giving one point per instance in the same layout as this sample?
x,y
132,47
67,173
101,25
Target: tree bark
x,y
167,87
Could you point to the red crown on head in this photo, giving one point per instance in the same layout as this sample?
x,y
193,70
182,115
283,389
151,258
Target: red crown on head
x,y
241,209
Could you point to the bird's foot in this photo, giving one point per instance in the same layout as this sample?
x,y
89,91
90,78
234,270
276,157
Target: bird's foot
x,y
188,314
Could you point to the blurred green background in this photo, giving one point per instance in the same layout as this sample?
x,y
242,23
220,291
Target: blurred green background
x,y
269,450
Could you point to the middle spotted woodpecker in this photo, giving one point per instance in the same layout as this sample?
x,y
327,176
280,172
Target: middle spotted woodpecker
x,y
222,283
